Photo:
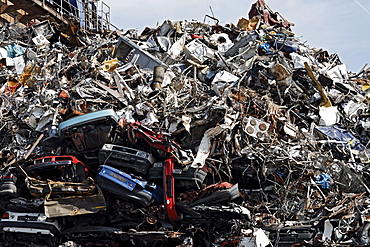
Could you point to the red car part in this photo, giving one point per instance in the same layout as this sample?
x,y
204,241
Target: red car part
x,y
158,141
169,189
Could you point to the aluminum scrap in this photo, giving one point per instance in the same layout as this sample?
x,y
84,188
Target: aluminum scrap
x,y
284,124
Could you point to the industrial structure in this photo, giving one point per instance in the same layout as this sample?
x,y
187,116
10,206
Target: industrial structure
x,y
93,15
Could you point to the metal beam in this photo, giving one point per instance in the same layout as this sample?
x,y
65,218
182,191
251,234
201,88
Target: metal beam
x,y
15,7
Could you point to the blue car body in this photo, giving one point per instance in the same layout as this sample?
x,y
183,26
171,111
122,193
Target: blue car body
x,y
128,187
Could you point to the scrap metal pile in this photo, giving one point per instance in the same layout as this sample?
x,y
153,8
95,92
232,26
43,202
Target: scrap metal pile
x,y
189,134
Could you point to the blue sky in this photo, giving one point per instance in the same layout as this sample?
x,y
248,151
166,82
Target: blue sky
x,y
339,26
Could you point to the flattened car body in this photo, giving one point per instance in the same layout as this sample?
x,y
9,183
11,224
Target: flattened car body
x,y
64,183
89,131
67,198
56,206
58,168
17,227
128,187
126,158
188,177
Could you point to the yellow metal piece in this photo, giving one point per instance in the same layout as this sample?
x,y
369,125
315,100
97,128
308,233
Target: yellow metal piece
x,y
365,87
248,25
325,100
110,65
28,77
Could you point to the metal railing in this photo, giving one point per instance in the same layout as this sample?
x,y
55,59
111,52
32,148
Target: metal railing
x,y
93,15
